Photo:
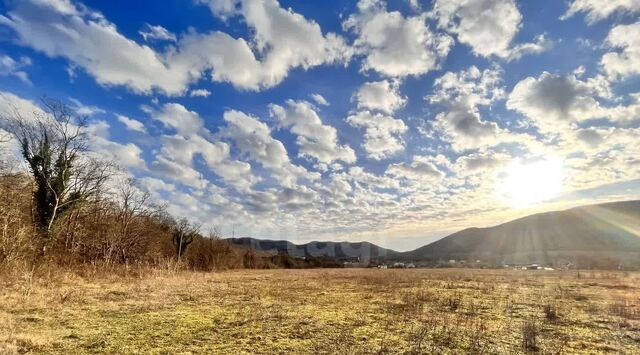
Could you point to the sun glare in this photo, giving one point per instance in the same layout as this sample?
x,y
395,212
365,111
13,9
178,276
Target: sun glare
x,y
523,184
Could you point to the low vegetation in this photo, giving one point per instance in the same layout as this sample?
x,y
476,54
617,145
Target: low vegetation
x,y
346,311
90,264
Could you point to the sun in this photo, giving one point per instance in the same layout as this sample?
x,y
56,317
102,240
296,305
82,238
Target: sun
x,y
523,184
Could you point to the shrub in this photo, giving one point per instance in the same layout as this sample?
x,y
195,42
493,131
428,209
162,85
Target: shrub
x,y
550,312
530,334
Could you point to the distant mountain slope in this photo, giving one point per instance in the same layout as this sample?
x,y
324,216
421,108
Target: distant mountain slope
x,y
597,235
339,250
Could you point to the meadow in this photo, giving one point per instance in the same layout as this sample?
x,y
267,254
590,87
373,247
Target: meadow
x,y
320,311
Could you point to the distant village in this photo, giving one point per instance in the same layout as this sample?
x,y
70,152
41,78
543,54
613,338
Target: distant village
x,y
452,263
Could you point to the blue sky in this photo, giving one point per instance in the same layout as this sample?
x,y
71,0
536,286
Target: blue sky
x,y
395,122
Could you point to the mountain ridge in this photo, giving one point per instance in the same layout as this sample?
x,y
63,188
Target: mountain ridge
x,y
596,235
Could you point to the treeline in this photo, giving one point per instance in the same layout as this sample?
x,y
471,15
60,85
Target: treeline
x,y
71,207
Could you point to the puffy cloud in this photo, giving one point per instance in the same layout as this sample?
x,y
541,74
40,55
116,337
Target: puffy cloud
x,y
419,169
11,104
461,94
157,33
153,184
592,136
471,87
85,110
131,124
314,139
253,139
383,134
61,29
380,95
483,162
465,129
597,10
127,155
283,40
184,174
10,66
487,26
394,45
319,99
178,151
176,116
199,93
626,61
553,99
177,155
540,45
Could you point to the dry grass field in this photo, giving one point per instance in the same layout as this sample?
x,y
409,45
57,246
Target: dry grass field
x,y
322,311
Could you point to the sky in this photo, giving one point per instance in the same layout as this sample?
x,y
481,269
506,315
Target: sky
x,y
395,122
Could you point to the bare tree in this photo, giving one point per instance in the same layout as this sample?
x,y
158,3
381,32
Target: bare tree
x,y
132,206
183,235
54,143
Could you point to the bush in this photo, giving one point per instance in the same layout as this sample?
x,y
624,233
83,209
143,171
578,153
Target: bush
x,y
550,312
530,334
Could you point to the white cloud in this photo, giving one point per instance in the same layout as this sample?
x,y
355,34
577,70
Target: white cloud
x,y
157,33
127,155
282,40
597,10
62,29
487,26
380,95
11,104
462,94
10,66
199,93
183,174
554,101
85,110
253,139
383,134
177,155
184,122
314,138
192,139
465,129
626,60
420,168
483,162
132,124
319,99
540,45
472,87
153,185
394,45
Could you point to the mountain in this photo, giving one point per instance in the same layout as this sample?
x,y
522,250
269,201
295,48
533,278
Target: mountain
x,y
363,251
597,236
603,235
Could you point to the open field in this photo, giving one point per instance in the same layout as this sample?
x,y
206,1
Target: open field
x,y
323,311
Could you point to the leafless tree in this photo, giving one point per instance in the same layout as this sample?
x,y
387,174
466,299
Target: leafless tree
x,y
183,235
133,207
54,144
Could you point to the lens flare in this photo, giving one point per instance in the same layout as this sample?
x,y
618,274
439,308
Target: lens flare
x,y
523,184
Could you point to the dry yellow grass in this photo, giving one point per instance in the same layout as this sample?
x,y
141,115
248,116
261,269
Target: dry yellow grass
x,y
323,311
